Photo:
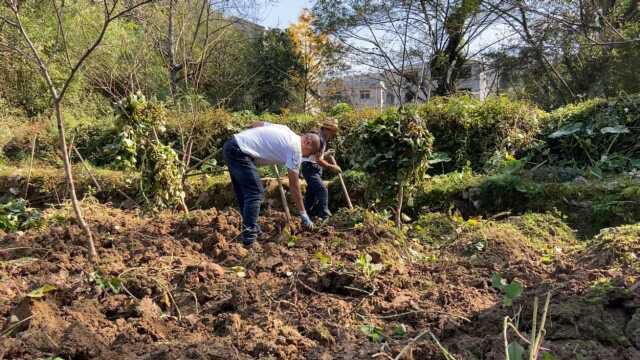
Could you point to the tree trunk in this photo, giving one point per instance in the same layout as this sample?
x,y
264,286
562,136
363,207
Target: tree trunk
x,y
173,67
69,176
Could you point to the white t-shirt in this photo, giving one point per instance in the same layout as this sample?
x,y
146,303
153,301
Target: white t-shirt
x,y
272,144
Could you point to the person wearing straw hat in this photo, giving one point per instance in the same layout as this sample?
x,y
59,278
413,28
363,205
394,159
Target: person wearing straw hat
x,y
316,199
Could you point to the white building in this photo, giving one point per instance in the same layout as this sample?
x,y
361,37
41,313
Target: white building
x,y
379,90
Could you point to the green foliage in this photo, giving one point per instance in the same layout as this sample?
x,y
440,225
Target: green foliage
x,y
275,59
616,247
340,109
469,130
374,333
16,215
356,183
106,284
434,228
368,269
324,260
510,291
160,168
161,177
597,134
393,148
515,351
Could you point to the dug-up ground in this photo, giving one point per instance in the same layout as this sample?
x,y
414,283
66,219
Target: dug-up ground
x,y
177,286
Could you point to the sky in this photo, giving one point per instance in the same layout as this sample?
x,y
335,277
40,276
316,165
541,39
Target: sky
x,y
283,13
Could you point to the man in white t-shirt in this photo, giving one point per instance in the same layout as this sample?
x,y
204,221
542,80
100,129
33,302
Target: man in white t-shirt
x,y
265,144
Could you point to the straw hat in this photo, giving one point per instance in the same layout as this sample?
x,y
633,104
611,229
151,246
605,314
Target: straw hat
x,y
331,124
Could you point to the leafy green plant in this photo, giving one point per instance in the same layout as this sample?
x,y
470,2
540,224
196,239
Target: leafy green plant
x,y
510,291
515,351
597,134
16,215
106,284
324,260
394,149
374,333
141,123
400,331
368,269
472,131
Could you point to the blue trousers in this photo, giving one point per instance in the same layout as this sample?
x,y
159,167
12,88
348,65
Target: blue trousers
x,y
316,199
247,186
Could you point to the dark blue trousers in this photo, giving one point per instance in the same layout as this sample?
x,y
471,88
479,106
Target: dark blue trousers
x,y
247,186
316,199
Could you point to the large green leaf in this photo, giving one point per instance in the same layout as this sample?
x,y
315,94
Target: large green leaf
x,y
42,291
515,351
618,129
513,290
567,130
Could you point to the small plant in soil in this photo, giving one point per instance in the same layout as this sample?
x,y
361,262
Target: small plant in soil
x,y
510,291
324,260
374,333
400,331
16,215
106,284
368,269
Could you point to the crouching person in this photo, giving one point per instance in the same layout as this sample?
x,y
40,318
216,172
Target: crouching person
x,y
316,199
265,144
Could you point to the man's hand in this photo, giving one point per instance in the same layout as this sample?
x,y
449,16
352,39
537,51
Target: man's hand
x,y
336,169
306,221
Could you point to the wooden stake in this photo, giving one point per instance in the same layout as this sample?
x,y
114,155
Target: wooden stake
x,y
342,184
283,196
33,152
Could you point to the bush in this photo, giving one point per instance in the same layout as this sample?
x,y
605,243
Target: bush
x,y
467,129
356,183
208,131
598,134
16,136
340,109
393,148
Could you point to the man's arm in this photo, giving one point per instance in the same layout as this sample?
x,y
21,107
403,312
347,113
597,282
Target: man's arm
x,y
294,187
327,165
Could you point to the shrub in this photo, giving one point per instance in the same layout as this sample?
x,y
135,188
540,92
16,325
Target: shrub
x,y
356,183
340,109
599,134
207,131
467,129
393,148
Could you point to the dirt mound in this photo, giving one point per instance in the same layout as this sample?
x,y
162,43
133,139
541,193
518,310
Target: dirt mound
x,y
181,286
615,247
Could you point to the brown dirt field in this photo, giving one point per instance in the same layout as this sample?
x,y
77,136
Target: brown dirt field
x,y
191,291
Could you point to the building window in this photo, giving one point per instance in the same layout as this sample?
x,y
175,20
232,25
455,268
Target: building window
x,y
365,94
391,99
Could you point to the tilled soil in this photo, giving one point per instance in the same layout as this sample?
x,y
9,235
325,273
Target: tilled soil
x,y
182,287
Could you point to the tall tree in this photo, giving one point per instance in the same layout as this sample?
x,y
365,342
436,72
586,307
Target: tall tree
x,y
316,54
411,42
276,60
29,50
